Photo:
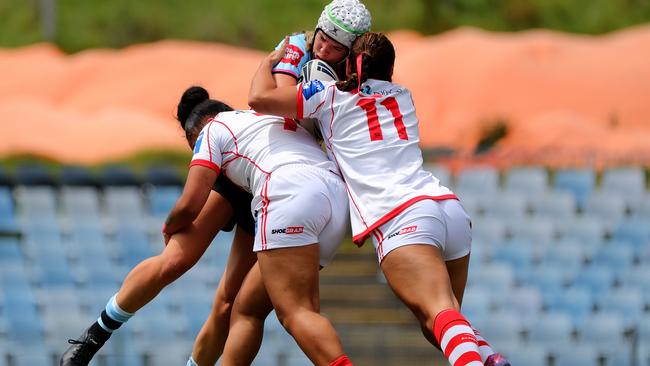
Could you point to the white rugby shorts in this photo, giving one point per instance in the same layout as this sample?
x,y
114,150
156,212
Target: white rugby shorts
x,y
301,205
443,224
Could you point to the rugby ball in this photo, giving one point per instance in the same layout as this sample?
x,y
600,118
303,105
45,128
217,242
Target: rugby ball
x,y
317,70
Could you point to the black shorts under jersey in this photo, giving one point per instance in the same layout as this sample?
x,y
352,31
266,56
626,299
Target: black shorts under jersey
x,y
240,201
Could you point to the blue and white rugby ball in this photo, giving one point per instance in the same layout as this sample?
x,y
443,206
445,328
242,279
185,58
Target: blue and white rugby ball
x,y
317,70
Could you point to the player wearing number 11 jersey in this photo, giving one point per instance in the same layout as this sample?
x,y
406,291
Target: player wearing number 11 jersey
x,y
381,162
421,233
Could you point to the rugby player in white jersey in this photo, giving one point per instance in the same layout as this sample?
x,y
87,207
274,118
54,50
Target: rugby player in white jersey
x,y
298,198
339,24
420,231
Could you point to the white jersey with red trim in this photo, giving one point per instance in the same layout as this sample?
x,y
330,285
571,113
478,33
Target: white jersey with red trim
x,y
373,138
248,146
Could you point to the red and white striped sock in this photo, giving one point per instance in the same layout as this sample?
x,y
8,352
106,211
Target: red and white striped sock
x,y
341,361
484,347
456,338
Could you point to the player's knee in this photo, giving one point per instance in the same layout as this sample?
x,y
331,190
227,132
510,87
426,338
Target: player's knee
x,y
222,307
291,320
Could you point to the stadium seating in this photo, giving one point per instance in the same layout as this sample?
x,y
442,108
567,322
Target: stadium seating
x,y
558,273
579,182
530,180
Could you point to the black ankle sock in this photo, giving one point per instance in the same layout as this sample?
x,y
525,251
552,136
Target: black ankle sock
x,y
100,333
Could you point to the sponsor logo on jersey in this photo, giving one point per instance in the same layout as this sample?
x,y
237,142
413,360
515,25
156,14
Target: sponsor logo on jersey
x,y
409,229
312,88
404,230
292,55
197,145
289,230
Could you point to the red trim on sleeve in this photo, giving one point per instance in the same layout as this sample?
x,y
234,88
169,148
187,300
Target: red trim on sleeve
x,y
300,107
361,238
205,163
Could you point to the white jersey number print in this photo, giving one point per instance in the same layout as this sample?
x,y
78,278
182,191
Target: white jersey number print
x,y
373,138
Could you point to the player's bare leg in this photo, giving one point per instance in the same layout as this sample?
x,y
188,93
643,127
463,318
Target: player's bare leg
x,y
209,343
291,278
418,276
251,308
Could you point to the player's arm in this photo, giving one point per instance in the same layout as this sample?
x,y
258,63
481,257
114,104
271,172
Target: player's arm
x,y
282,80
265,95
197,189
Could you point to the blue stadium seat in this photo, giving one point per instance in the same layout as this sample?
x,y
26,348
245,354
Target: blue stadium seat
x,y
119,176
505,206
538,230
551,330
7,207
52,300
133,243
159,328
524,302
597,278
637,278
196,313
488,230
36,203
636,232
610,210
626,182
577,302
627,302
478,179
164,176
83,231
496,277
170,355
500,328
579,182
567,254
615,357
529,355
558,206
547,279
162,200
78,176
80,203
641,210
63,324
34,175
10,251
440,172
603,330
530,180
643,329
477,303
617,257
25,327
643,355
124,202
518,254
576,355
583,229
94,299
30,356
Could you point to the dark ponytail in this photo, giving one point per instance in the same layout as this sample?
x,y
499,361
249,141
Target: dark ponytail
x,y
193,108
378,58
192,97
